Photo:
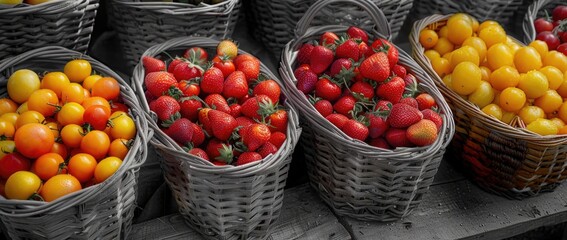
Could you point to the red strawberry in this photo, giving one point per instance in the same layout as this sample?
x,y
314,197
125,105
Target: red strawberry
x,y
244,121
433,116
425,101
199,153
383,45
403,115
396,137
364,51
345,105
377,125
269,88
342,70
189,108
186,71
379,143
409,101
258,107
173,64
422,133
278,121
218,102
410,80
355,129
212,81
225,65
189,88
306,80
277,138
213,147
357,33
399,70
157,83
235,110
235,85
198,135
391,90
348,49
152,64
375,67
251,70
383,105
321,58
196,55
328,38
337,119
223,124
323,106
363,89
304,53
267,149
248,157
255,135
181,131
326,89
165,107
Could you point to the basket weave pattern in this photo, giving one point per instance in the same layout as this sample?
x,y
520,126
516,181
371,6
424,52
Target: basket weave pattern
x,y
141,25
352,177
274,21
536,10
504,159
66,23
221,202
101,211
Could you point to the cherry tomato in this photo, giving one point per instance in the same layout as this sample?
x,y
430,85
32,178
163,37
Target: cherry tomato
x,y
189,88
12,163
328,38
6,147
95,143
118,106
106,168
71,112
82,166
559,13
122,126
22,185
542,25
48,165
72,134
226,66
562,48
107,88
97,116
45,101
29,117
60,149
34,139
77,70
7,105
59,186
73,92
549,38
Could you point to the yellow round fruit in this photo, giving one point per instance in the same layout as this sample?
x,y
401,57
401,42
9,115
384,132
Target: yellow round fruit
x,y
11,2
428,38
22,185
441,66
477,44
562,112
492,35
106,167
443,46
558,122
499,55
464,54
21,84
459,30
493,110
527,59
554,76
529,114
543,127
507,117
485,73
77,70
465,78
534,84
540,46
512,99
556,59
431,54
483,95
503,77
549,102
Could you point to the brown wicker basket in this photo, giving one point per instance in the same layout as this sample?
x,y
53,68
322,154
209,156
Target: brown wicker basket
x,y
537,9
274,21
141,25
221,202
503,159
101,211
66,23
352,177
501,11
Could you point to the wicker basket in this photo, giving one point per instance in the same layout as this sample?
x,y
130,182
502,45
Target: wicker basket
x,y
501,11
102,211
66,23
221,202
141,25
352,177
537,9
274,21
504,159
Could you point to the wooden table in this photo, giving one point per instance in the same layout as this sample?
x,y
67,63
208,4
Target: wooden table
x,y
454,208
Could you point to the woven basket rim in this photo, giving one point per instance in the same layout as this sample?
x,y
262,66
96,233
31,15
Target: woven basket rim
x,y
30,207
531,15
175,8
50,7
469,108
308,110
197,163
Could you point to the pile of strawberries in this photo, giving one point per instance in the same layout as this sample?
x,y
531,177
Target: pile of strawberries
x,y
223,110
359,86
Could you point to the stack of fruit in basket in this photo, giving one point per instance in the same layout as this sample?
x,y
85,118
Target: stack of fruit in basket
x,y
221,109
14,2
553,31
357,84
61,131
505,79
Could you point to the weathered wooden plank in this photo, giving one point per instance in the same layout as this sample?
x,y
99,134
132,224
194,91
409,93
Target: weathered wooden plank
x,y
303,216
461,210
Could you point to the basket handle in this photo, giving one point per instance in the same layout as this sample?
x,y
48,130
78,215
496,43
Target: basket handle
x,y
380,20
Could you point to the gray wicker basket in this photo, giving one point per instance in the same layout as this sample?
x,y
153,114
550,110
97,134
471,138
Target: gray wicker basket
x,y
66,23
537,9
102,211
141,25
352,177
221,202
274,21
504,159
